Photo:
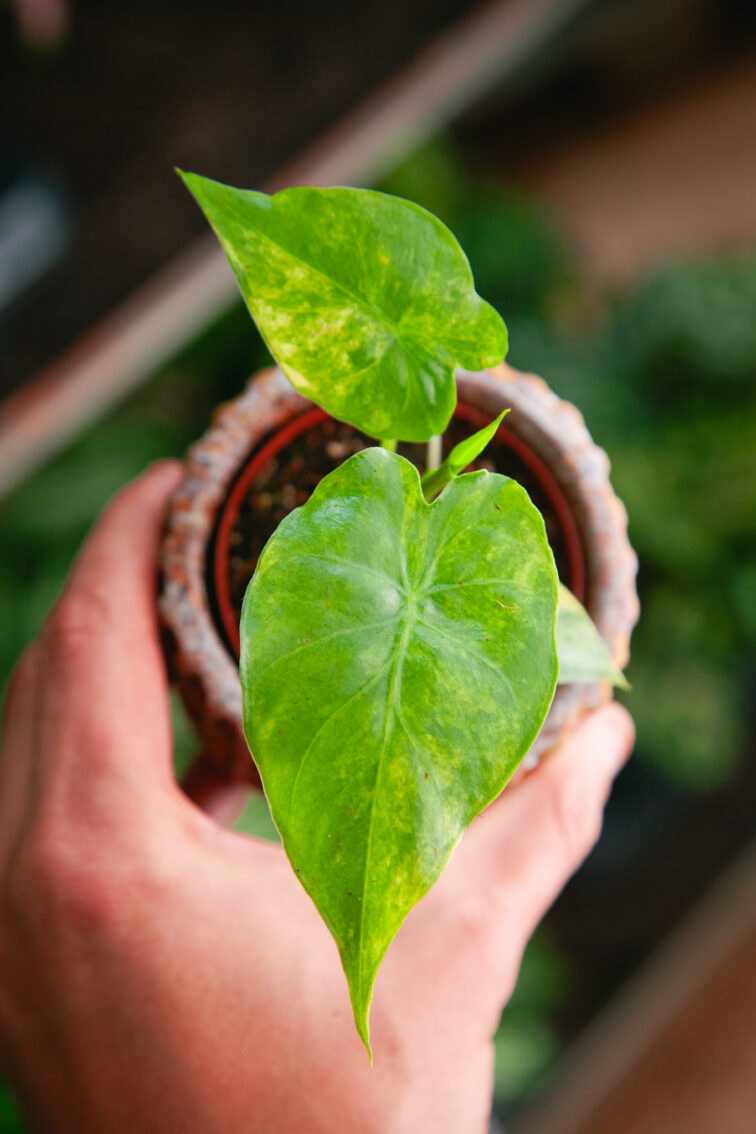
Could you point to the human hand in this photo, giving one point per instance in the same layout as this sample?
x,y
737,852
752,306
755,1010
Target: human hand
x,y
161,973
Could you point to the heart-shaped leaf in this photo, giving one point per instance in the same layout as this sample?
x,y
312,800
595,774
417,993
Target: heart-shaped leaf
x,y
398,660
366,301
583,653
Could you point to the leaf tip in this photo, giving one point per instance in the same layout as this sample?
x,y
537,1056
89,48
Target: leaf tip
x,y
190,180
361,1011
360,986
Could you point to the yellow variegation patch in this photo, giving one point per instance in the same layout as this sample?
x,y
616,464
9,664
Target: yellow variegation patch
x,y
365,300
398,660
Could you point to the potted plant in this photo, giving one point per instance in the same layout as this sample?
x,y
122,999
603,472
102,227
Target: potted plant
x,y
402,635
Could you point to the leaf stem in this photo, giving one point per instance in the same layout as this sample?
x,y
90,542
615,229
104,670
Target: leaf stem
x,y
433,453
389,443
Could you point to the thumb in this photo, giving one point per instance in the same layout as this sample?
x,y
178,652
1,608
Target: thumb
x,y
532,839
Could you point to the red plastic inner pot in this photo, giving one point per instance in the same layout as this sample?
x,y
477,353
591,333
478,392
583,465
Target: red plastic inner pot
x,y
311,419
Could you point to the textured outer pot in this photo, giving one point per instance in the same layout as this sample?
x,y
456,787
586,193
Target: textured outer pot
x,y
206,674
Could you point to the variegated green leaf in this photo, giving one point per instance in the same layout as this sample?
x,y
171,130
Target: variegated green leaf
x,y
366,301
398,660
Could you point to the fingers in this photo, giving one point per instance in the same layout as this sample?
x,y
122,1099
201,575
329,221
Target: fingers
x,y
534,837
101,667
461,947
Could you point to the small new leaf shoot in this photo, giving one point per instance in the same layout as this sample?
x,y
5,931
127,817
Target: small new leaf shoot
x,y
460,457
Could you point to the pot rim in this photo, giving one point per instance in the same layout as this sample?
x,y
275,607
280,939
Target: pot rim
x,y
199,658
300,423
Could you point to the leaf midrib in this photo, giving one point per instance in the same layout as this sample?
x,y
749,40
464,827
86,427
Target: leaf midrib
x,y
395,674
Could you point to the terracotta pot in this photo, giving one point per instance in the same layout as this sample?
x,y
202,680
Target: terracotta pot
x,y
547,436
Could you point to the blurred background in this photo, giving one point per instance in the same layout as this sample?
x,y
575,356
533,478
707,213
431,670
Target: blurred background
x,y
597,161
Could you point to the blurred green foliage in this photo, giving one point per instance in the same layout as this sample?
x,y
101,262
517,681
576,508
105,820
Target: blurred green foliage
x,y
527,1040
665,379
518,263
44,521
11,1121
688,478
256,819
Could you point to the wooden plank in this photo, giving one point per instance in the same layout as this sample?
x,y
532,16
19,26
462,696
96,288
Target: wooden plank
x,y
673,179
676,1051
172,308
698,1076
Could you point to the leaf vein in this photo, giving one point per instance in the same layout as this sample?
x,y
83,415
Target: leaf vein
x,y
346,563
331,717
472,583
440,552
463,645
324,638
432,773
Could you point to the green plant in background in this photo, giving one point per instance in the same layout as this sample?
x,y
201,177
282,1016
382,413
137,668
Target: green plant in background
x,y
665,377
43,523
417,617
11,1121
527,1040
684,344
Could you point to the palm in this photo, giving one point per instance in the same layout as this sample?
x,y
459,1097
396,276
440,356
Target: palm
x,y
161,972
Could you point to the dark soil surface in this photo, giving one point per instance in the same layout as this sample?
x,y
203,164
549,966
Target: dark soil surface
x,y
287,480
